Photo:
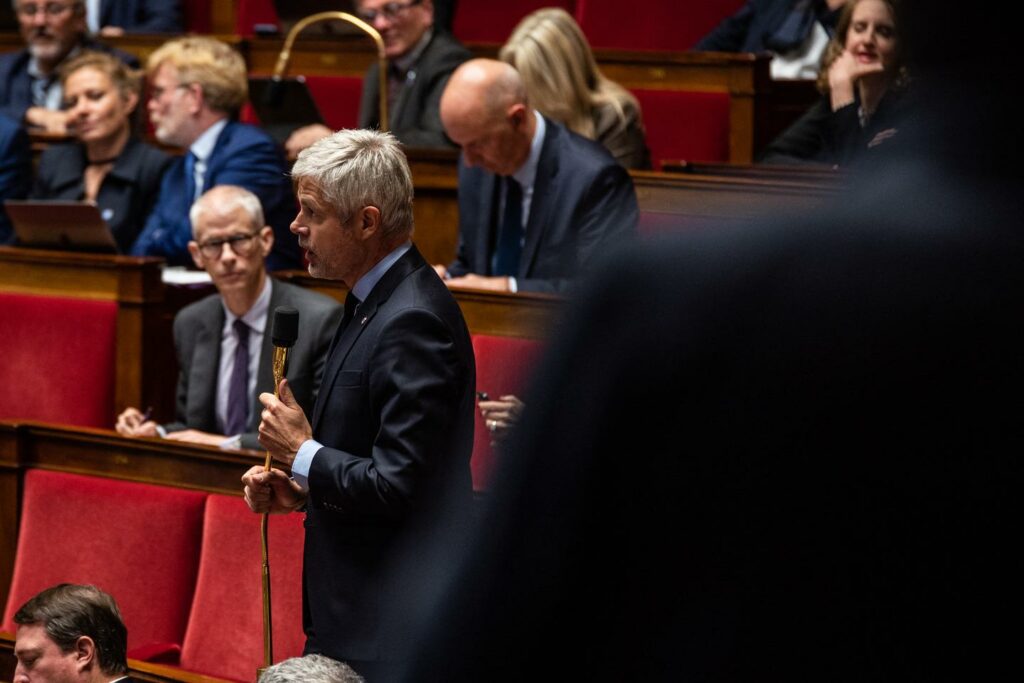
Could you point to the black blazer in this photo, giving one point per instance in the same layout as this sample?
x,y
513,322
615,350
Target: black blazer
x,y
415,117
395,416
755,22
15,169
197,331
583,203
142,16
127,194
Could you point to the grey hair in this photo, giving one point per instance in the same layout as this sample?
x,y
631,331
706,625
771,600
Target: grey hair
x,y
357,168
310,669
227,198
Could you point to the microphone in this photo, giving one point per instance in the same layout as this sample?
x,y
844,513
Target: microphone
x,y
284,333
273,94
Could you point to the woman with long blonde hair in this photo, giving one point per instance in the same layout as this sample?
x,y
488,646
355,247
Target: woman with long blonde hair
x,y
564,84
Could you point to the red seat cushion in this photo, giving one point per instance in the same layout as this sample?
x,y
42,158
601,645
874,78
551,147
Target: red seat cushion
x,y
225,630
337,98
662,25
57,358
503,366
486,21
138,542
685,125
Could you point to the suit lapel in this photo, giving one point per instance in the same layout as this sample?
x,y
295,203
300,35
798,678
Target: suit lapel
x,y
544,184
205,371
489,207
344,342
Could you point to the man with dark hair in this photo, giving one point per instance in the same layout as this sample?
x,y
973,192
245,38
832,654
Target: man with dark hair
x,y
70,633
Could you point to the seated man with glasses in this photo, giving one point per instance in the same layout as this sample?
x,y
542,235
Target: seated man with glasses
x,y
421,57
223,341
53,31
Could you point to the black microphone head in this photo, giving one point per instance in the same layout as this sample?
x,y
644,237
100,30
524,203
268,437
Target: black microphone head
x,y
273,94
286,327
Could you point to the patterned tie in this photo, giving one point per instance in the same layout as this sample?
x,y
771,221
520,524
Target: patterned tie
x,y
510,234
238,388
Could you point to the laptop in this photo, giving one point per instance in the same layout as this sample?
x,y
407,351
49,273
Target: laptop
x,y
56,224
283,105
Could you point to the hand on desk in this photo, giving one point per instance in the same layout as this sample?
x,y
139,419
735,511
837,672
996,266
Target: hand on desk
x,y
274,491
301,138
491,283
132,422
196,436
284,426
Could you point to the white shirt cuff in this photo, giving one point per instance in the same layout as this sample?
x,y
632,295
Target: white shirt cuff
x,y
303,461
513,286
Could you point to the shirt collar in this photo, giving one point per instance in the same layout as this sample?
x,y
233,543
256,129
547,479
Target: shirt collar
x,y
406,61
528,171
256,317
33,64
367,282
204,144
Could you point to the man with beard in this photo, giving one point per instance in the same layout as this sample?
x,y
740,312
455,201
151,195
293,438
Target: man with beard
x,y
30,91
197,85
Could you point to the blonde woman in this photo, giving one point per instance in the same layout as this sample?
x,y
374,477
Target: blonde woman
x,y
564,84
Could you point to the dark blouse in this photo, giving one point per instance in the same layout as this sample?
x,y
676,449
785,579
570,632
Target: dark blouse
x,y
126,195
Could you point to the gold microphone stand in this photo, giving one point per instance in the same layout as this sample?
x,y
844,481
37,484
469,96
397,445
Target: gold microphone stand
x,y
382,62
279,365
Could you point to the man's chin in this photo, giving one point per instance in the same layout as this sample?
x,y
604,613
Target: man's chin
x,y
46,51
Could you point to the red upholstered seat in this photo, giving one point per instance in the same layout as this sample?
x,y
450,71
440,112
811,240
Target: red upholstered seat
x,y
337,98
57,359
225,630
503,366
685,125
651,25
138,542
252,13
486,21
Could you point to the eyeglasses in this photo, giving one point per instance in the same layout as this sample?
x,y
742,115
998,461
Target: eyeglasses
x,y
388,11
242,245
156,92
50,9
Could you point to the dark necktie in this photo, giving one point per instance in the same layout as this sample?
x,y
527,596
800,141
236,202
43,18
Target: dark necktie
x,y
238,388
510,233
190,178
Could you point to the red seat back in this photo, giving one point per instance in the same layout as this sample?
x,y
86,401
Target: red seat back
x,y
503,366
138,542
651,25
486,21
251,13
685,125
337,98
57,358
196,15
225,630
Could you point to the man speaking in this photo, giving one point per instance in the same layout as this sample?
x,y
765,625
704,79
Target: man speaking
x,y
392,427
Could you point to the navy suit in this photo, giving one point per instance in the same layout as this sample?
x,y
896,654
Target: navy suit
x,y
16,84
243,155
753,24
15,169
395,416
142,16
583,202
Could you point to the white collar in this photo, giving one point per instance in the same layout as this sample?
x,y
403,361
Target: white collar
x,y
526,173
207,140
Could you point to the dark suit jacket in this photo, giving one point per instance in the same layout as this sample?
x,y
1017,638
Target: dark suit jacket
x,y
197,332
142,16
243,155
415,117
15,169
16,84
395,416
127,193
786,451
755,22
583,203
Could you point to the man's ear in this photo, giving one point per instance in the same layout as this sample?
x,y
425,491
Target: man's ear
x,y
370,223
266,238
517,115
85,652
197,258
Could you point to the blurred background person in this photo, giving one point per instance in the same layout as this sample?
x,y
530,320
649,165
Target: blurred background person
x,y
864,82
796,31
564,83
53,31
117,17
15,169
108,163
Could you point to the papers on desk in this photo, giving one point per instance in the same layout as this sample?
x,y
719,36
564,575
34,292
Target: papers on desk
x,y
176,275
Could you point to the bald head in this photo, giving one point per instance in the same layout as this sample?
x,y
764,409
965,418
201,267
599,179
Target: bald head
x,y
484,110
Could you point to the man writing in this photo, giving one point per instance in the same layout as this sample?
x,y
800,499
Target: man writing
x,y
392,429
536,202
196,85
70,634
420,60
223,342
